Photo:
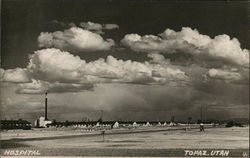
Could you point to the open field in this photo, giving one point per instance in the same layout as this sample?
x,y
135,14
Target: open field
x,y
122,144
71,132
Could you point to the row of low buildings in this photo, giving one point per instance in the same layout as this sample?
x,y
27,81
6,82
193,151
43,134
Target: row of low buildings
x,y
107,124
43,123
23,124
15,124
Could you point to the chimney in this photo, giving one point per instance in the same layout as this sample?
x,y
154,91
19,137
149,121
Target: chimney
x,y
46,101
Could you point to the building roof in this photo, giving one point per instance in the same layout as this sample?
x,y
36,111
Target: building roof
x,y
20,121
103,122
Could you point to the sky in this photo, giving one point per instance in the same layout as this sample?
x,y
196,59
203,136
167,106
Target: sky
x,y
135,60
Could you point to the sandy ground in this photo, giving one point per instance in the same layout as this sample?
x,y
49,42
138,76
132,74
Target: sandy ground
x,y
230,138
58,132
235,137
37,133
159,143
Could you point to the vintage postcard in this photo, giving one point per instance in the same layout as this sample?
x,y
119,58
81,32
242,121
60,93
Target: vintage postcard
x,y
124,78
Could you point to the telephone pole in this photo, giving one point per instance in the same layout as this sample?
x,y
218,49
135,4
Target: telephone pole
x,y
46,102
201,114
101,119
205,117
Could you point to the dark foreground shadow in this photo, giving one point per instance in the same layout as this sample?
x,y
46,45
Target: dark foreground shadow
x,y
12,145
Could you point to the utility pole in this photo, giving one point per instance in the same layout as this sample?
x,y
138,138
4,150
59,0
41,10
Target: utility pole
x,y
201,114
103,130
101,118
205,119
103,133
102,114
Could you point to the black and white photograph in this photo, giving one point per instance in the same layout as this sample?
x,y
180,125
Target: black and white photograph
x,y
124,78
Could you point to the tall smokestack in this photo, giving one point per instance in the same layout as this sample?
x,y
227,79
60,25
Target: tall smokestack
x,y
46,102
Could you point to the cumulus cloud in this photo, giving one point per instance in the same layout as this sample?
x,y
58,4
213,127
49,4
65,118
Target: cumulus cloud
x,y
232,75
17,75
74,39
91,26
59,71
158,58
39,87
223,74
147,43
189,41
110,26
55,65
98,27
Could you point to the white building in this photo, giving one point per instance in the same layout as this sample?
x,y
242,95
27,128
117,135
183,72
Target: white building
x,y
97,124
116,125
172,124
41,122
148,124
135,124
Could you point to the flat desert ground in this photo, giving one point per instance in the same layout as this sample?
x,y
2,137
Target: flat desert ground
x,y
154,143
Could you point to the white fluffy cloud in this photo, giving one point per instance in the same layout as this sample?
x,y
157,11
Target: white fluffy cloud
x,y
98,27
17,75
58,71
38,87
110,26
74,39
91,26
191,42
229,75
224,74
55,65
158,58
